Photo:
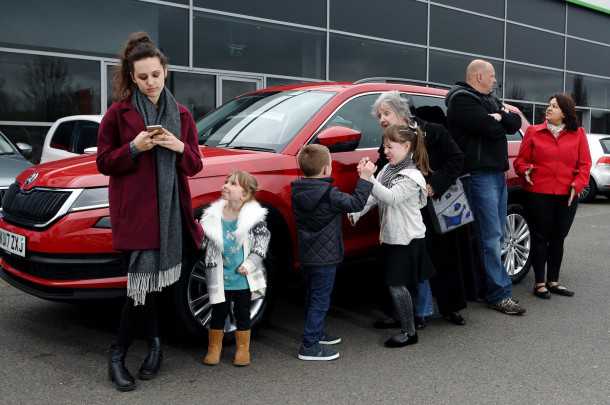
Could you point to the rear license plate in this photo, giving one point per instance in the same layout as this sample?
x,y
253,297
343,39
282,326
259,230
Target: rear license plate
x,y
12,243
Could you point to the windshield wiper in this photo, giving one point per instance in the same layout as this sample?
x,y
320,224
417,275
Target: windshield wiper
x,y
256,148
6,153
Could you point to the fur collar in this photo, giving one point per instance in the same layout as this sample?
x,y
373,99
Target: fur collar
x,y
251,213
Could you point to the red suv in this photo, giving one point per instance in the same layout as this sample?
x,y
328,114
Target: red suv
x,y
55,235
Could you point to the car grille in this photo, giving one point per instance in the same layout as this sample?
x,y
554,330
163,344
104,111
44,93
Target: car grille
x,y
69,268
33,208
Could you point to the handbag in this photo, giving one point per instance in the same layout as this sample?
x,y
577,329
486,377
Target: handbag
x,y
451,210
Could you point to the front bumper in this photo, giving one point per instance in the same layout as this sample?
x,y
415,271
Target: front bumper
x,y
64,278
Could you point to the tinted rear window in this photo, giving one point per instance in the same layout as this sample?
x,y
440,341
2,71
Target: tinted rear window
x,y
605,142
62,138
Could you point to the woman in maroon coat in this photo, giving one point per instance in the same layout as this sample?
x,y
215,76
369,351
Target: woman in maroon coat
x,y
555,162
147,144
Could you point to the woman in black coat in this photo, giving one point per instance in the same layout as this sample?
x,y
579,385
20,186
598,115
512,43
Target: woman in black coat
x,y
446,162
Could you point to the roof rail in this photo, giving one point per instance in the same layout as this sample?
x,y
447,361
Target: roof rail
x,y
382,79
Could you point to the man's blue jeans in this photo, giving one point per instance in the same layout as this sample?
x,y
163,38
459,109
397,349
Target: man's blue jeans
x,y
487,195
424,306
319,282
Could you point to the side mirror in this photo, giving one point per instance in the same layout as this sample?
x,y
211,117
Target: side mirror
x,y
339,138
25,149
90,151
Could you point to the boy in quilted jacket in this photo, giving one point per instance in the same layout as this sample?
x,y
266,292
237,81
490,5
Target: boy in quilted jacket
x,y
318,208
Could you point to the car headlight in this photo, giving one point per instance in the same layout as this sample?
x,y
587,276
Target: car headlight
x,y
91,198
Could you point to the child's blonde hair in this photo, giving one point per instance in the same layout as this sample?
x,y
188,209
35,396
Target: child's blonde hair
x,y
246,181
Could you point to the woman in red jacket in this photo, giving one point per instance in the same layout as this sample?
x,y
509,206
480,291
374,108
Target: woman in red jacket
x,y
147,144
554,160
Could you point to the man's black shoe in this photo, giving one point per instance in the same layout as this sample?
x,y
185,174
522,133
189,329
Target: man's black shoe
x,y
455,318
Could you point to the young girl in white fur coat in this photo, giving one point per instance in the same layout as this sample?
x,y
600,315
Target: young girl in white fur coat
x,y
235,241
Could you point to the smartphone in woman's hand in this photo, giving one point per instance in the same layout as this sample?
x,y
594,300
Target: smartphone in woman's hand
x,y
154,129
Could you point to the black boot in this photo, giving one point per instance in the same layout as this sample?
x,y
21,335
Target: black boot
x,y
117,372
401,340
152,363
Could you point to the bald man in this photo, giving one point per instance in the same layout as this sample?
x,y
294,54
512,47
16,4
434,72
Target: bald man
x,y
479,123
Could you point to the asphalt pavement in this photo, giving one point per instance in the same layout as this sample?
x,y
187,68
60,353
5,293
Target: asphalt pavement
x,y
559,352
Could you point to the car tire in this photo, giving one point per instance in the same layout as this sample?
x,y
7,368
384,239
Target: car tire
x,y
589,193
193,308
516,250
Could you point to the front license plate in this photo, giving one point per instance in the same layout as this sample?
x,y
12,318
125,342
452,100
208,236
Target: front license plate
x,y
12,243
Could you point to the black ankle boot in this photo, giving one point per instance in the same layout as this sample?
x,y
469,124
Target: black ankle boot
x,y
401,340
152,363
117,372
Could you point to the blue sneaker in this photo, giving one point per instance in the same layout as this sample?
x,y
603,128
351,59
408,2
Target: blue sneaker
x,y
328,339
317,352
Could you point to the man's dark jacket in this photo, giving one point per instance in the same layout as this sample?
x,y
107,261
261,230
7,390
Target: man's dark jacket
x,y
479,135
318,207
446,158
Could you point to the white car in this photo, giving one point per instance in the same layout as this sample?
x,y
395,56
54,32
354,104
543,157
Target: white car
x,y
71,136
599,182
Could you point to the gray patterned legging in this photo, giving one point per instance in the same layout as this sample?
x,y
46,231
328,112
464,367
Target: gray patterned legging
x,y
403,308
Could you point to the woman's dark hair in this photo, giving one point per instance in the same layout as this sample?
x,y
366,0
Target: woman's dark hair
x,y
138,46
415,136
568,108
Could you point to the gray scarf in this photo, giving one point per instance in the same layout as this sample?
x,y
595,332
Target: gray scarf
x,y
391,171
152,270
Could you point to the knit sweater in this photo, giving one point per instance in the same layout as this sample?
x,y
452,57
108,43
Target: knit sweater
x,y
399,207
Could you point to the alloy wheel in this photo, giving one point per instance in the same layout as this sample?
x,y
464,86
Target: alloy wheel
x,y
584,194
516,248
199,299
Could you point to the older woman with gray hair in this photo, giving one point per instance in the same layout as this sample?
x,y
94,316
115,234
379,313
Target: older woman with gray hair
x,y
446,162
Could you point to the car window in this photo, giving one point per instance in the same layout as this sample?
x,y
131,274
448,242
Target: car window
x,y
5,146
356,114
605,143
264,121
428,108
62,138
516,136
85,136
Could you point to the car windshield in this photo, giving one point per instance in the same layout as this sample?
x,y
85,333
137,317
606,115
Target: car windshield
x,y
5,147
263,121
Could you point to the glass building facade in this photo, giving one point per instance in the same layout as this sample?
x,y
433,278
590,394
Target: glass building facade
x,y
57,57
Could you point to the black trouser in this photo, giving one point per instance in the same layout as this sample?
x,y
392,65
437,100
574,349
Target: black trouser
x,y
550,218
241,310
448,282
145,316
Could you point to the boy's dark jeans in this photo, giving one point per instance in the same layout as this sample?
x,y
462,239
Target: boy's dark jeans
x,y
319,282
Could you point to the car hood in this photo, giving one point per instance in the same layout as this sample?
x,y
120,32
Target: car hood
x,y
81,171
10,167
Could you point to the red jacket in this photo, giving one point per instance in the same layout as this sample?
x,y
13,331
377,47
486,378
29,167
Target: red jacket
x,y
557,163
133,185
